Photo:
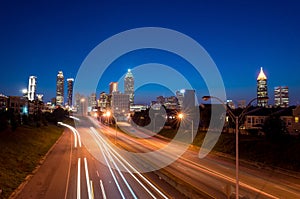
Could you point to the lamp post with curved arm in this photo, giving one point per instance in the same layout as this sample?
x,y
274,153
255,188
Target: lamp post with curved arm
x,y
237,119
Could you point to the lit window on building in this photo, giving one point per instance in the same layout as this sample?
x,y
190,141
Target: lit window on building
x,y
296,119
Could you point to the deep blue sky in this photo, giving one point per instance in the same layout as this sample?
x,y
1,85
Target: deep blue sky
x,y
42,37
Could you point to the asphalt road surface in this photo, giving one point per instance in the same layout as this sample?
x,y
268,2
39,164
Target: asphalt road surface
x,y
96,161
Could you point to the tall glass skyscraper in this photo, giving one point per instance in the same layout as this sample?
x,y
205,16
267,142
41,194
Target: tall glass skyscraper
x,y
70,82
281,96
262,89
129,86
31,88
60,88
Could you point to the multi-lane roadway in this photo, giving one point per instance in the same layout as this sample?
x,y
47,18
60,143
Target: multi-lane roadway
x,y
96,161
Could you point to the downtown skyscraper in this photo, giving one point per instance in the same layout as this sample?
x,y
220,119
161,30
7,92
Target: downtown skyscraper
x,y
262,89
60,88
31,88
281,96
70,82
129,86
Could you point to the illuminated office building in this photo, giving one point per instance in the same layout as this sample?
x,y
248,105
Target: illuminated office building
x,y
60,88
129,86
262,89
113,87
70,82
31,88
281,96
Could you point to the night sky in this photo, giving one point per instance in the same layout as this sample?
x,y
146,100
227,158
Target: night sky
x,y
42,37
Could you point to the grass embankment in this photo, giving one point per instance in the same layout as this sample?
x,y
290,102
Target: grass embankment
x,y
21,152
282,153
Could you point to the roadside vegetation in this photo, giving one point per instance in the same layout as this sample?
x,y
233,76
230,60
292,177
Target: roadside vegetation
x,y
23,145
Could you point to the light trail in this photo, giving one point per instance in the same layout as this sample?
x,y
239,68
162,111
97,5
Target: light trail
x,y
110,170
102,189
75,118
75,133
120,173
92,189
87,179
220,175
69,170
129,165
227,178
146,189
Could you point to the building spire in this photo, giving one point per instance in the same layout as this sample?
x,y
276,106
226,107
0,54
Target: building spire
x,y
261,75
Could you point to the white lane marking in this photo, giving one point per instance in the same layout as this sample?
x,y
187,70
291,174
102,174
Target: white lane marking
x,y
102,190
78,180
110,170
120,173
145,179
97,173
69,170
87,179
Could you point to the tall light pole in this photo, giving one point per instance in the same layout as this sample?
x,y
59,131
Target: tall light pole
x,y
108,114
82,100
237,120
181,116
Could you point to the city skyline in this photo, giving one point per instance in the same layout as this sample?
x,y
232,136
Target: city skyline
x,y
241,37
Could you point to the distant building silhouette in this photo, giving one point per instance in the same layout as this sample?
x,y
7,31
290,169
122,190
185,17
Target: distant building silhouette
x,y
242,104
92,102
70,82
186,98
104,101
281,96
60,88
3,102
113,87
120,103
262,89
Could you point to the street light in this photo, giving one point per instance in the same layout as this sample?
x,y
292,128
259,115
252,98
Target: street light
x,y
108,114
237,119
181,116
82,100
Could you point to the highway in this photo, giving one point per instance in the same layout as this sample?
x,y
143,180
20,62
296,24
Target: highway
x,y
96,161
211,175
72,170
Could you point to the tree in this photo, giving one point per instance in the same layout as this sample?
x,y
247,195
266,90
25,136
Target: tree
x,y
3,120
59,114
274,127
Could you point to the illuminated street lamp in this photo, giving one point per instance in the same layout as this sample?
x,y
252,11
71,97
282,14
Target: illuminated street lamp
x,y
108,114
181,116
82,100
237,119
